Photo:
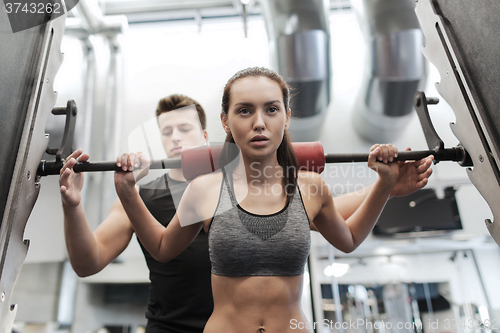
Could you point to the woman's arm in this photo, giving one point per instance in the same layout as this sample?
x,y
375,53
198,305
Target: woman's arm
x,y
413,175
164,244
347,234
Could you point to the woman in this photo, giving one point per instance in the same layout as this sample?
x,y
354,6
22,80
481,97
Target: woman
x,y
258,221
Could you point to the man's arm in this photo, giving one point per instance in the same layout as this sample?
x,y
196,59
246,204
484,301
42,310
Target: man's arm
x,y
89,252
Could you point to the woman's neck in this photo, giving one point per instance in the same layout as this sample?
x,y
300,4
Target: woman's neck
x,y
265,170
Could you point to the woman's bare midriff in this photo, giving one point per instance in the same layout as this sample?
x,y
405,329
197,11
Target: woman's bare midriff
x,y
259,304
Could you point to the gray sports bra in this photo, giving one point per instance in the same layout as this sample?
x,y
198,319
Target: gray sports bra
x,y
245,244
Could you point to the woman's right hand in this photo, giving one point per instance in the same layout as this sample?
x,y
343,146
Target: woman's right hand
x,y
135,166
381,160
71,183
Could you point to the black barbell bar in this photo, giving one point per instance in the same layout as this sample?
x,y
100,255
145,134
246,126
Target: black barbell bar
x,y
455,154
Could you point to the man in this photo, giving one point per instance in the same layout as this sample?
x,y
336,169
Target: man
x,y
180,297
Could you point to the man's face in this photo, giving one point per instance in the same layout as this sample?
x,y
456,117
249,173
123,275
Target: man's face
x,y
180,128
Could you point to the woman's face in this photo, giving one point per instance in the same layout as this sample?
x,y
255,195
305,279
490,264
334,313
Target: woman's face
x,y
257,117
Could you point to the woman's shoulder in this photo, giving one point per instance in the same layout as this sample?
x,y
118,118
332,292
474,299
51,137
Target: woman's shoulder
x,y
314,192
206,182
311,184
202,195
309,177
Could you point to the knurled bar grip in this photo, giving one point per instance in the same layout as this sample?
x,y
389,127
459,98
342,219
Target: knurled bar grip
x,y
455,154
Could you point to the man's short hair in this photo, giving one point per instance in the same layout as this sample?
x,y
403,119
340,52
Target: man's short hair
x,y
176,101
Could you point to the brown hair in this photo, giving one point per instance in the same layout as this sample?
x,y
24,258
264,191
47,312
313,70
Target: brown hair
x,y
176,101
285,153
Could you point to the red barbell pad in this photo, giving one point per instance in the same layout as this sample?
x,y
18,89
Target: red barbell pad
x,y
205,159
197,161
310,156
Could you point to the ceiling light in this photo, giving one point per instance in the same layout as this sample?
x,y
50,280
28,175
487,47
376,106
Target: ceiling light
x,y
336,269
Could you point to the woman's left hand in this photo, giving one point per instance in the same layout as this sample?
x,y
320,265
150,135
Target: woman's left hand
x,y
381,160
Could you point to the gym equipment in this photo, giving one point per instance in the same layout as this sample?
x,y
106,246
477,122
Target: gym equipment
x,y
462,42
29,61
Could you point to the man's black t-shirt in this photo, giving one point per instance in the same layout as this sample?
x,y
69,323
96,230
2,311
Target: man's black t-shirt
x,y
180,293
